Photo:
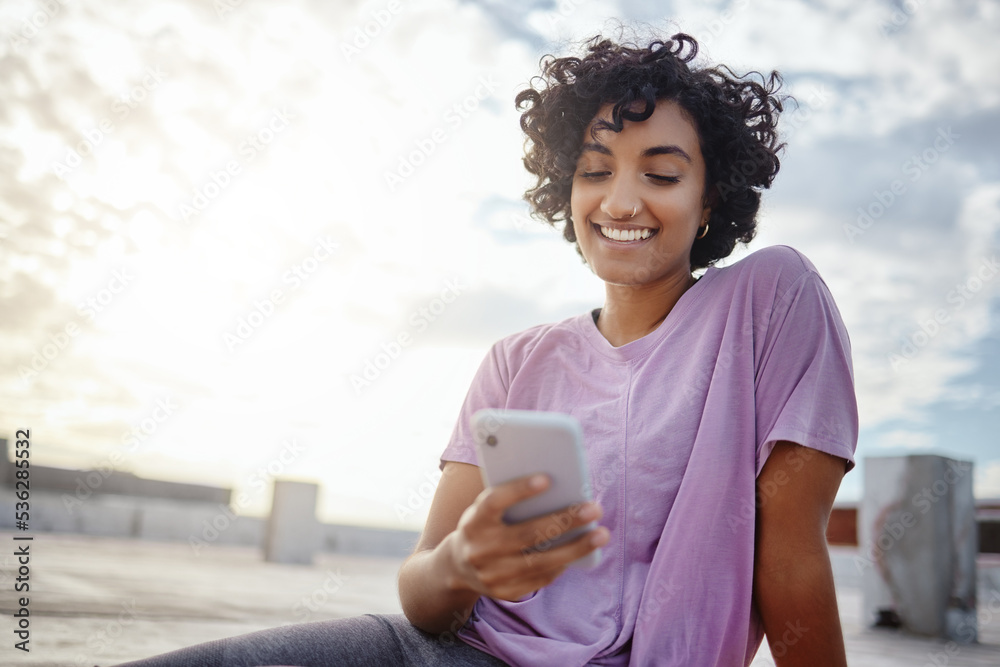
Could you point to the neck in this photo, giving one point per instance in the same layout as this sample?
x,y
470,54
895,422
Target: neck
x,y
629,312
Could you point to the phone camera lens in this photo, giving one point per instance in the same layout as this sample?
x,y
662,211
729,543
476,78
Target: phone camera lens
x,y
491,440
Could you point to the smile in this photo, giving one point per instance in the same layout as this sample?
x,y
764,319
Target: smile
x,y
625,235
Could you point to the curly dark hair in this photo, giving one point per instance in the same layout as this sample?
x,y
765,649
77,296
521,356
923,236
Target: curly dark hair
x,y
735,117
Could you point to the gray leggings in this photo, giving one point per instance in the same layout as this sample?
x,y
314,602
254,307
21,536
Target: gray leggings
x,y
373,640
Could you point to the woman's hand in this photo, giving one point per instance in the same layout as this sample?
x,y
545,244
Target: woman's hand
x,y
503,561
466,550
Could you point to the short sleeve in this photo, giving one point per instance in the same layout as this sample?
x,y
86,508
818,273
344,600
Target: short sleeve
x,y
804,385
488,390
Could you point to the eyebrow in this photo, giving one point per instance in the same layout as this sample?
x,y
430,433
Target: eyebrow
x,y
649,152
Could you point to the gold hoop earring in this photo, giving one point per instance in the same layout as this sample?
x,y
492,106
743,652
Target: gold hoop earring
x,y
702,235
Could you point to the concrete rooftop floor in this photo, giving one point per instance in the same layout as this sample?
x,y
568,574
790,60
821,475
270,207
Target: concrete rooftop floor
x,y
101,601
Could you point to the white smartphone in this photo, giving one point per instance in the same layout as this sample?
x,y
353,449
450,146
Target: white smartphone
x,y
515,443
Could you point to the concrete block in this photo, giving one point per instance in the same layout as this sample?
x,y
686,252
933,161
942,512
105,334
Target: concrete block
x,y
166,520
200,525
917,546
364,540
293,532
108,516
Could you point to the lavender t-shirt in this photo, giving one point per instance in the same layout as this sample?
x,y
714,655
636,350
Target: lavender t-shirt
x,y
677,425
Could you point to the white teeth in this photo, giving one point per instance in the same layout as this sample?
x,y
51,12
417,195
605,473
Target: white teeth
x,y
626,235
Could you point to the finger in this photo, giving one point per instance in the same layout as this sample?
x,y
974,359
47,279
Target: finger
x,y
515,576
536,532
496,499
558,558
518,591
512,576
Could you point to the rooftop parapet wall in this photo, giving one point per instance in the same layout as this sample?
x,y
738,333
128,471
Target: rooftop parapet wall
x,y
82,484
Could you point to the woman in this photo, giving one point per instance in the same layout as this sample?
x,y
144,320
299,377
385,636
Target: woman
x,y
718,412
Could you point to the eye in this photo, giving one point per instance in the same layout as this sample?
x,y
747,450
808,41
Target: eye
x,y
594,174
664,179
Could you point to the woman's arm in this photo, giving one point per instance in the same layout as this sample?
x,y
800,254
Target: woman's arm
x,y
466,550
793,580
428,600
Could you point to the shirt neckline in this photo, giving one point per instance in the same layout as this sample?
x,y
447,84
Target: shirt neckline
x,y
641,346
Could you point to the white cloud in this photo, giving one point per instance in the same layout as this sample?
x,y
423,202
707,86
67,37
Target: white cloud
x,y
904,359
987,484
906,439
934,63
355,119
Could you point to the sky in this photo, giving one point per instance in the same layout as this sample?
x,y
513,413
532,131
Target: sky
x,y
247,240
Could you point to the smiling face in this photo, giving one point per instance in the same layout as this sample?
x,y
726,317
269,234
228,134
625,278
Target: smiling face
x,y
655,169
